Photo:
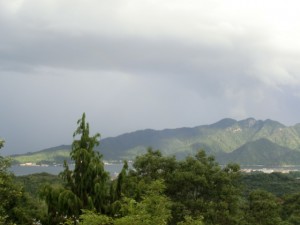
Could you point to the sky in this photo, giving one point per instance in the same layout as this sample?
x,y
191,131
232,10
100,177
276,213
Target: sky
x,y
138,64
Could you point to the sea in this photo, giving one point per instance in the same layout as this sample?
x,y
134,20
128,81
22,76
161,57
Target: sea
x,y
114,169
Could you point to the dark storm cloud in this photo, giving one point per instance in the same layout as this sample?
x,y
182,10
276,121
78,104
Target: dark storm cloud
x,y
135,64
196,65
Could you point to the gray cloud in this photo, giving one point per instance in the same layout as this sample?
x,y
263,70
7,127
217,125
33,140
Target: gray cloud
x,y
142,64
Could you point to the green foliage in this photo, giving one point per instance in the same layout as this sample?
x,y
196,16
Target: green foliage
x,y
15,205
196,185
291,208
91,218
276,183
89,169
33,183
206,189
117,187
153,209
188,220
263,209
86,187
158,190
1,143
153,165
51,196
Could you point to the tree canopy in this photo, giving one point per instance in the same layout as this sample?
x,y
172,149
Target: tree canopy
x,y
86,187
153,190
16,206
1,143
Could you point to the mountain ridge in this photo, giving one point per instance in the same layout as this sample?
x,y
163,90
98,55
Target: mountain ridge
x,y
220,138
261,152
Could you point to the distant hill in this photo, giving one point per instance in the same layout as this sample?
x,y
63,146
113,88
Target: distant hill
x,y
228,139
55,155
261,152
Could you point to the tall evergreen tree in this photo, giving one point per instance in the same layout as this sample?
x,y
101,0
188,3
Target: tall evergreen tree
x,y
1,143
86,187
88,180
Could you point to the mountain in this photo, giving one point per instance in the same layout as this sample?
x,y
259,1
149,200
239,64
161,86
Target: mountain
x,y
261,152
226,138
226,135
53,155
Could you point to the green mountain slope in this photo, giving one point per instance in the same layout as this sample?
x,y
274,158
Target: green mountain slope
x,y
47,156
224,136
261,152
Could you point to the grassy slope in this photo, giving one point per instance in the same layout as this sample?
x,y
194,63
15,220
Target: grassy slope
x,y
58,156
261,152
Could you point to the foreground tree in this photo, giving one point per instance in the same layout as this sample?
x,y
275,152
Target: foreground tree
x,y
197,186
205,189
263,209
86,187
88,181
153,209
5,182
291,208
1,143
16,207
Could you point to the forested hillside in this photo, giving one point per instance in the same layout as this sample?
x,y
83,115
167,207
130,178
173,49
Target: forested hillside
x,y
247,142
157,190
224,136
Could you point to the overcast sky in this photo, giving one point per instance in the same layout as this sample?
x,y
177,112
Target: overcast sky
x,y
137,64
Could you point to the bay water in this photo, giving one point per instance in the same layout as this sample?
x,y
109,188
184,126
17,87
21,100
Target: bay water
x,y
113,169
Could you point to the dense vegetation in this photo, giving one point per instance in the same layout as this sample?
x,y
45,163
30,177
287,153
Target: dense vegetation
x,y
16,205
157,190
